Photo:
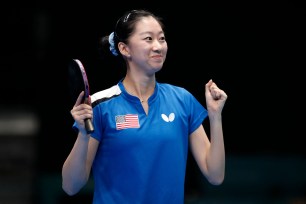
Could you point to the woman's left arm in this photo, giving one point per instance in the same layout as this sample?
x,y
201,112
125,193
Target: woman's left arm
x,y
210,153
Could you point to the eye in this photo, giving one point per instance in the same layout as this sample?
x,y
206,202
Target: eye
x,y
162,38
148,38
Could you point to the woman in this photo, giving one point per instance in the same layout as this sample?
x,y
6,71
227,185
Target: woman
x,y
143,128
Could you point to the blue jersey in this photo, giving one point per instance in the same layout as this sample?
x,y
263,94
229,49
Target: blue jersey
x,y
142,157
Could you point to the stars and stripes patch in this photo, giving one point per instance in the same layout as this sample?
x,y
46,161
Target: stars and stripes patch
x,y
127,121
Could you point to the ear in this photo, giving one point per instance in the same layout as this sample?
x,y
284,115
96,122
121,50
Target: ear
x,y
124,50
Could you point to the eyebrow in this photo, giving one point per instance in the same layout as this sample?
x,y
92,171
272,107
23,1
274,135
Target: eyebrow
x,y
149,32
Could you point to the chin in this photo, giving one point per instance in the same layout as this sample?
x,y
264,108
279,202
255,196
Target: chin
x,y
155,69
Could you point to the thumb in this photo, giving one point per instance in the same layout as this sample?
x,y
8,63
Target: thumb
x,y
208,84
79,99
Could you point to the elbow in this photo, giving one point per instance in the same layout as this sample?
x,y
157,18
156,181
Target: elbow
x,y
69,191
72,186
217,180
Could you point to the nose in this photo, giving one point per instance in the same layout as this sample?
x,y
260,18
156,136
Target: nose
x,y
157,45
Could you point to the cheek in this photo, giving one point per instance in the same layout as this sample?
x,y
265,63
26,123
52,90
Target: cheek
x,y
165,48
165,51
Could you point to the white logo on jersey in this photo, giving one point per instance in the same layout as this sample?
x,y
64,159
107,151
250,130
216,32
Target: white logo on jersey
x,y
168,119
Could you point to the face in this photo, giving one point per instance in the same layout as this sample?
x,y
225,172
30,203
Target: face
x,y
147,46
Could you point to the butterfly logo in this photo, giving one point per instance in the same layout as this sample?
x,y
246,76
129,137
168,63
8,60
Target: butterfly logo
x,y
169,118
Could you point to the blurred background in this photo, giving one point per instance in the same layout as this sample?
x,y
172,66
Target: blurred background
x,y
254,50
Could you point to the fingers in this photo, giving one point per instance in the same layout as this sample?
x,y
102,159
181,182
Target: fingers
x,y
80,113
213,89
80,110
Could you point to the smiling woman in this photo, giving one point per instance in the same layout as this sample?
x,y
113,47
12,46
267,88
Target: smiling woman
x,y
143,128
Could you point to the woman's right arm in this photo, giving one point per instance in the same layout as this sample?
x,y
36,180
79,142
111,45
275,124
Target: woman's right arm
x,y
76,168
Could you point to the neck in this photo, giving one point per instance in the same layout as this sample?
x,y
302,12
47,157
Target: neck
x,y
142,89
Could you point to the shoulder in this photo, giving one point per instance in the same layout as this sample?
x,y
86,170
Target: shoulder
x,y
173,93
105,94
165,87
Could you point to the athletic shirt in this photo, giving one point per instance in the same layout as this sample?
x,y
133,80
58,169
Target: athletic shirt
x,y
142,157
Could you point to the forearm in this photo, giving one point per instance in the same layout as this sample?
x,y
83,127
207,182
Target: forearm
x,y
216,154
75,173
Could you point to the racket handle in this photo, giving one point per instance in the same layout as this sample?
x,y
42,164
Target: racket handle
x,y
88,125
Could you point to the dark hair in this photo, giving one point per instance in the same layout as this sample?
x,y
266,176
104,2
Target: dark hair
x,y
124,28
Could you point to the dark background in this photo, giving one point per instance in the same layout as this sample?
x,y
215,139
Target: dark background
x,y
254,50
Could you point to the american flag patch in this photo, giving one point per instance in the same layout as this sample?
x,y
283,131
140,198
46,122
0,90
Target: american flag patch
x,y
127,121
